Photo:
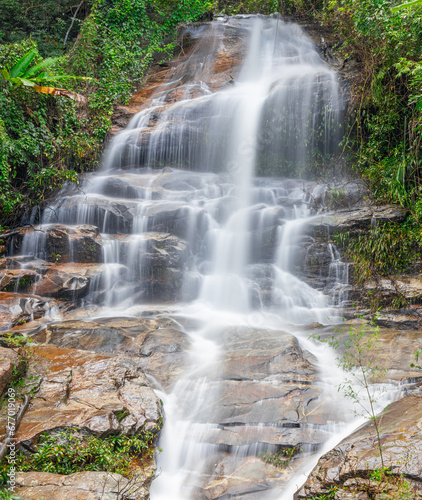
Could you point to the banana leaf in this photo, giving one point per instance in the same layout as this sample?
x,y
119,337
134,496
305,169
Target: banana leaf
x,y
20,67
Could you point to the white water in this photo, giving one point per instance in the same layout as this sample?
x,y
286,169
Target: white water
x,y
241,279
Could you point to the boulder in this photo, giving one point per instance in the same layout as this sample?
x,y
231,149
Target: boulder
x,y
358,455
100,394
79,486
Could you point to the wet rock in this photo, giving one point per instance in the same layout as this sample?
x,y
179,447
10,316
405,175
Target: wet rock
x,y
151,250
354,220
159,346
394,353
86,335
400,319
59,243
19,308
8,359
72,281
96,393
358,455
24,263
18,280
252,480
163,355
408,287
121,216
79,486
267,394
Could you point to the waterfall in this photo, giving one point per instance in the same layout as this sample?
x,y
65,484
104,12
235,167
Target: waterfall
x,y
219,166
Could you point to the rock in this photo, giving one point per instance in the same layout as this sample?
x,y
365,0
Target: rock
x,y
97,393
251,481
79,486
8,360
72,281
407,287
400,319
358,455
394,353
262,396
19,308
120,216
59,243
18,280
163,355
159,346
354,220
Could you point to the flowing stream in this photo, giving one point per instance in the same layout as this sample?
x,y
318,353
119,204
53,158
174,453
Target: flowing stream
x,y
200,164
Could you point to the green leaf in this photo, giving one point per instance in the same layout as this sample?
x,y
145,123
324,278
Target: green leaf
x,y
406,5
26,83
33,70
20,67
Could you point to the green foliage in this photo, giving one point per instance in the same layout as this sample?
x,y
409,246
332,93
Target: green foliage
x,y
7,495
14,340
121,38
25,74
46,22
385,135
46,141
387,249
280,459
68,451
418,354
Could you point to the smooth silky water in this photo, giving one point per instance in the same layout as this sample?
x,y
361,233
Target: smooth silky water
x,y
190,168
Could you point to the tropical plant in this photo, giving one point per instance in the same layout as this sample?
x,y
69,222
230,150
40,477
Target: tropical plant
x,y
25,74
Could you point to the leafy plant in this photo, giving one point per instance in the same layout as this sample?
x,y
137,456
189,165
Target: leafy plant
x,y
35,76
68,451
14,340
360,362
418,353
281,458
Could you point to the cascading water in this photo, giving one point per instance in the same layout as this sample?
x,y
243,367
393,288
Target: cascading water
x,y
192,170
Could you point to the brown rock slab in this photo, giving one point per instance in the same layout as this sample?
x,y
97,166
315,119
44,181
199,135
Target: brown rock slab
x,y
79,486
158,343
231,478
97,393
18,280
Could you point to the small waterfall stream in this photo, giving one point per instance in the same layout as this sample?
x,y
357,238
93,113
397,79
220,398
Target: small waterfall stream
x,y
197,167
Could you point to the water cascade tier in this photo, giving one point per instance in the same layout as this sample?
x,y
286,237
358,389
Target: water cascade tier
x,y
199,215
